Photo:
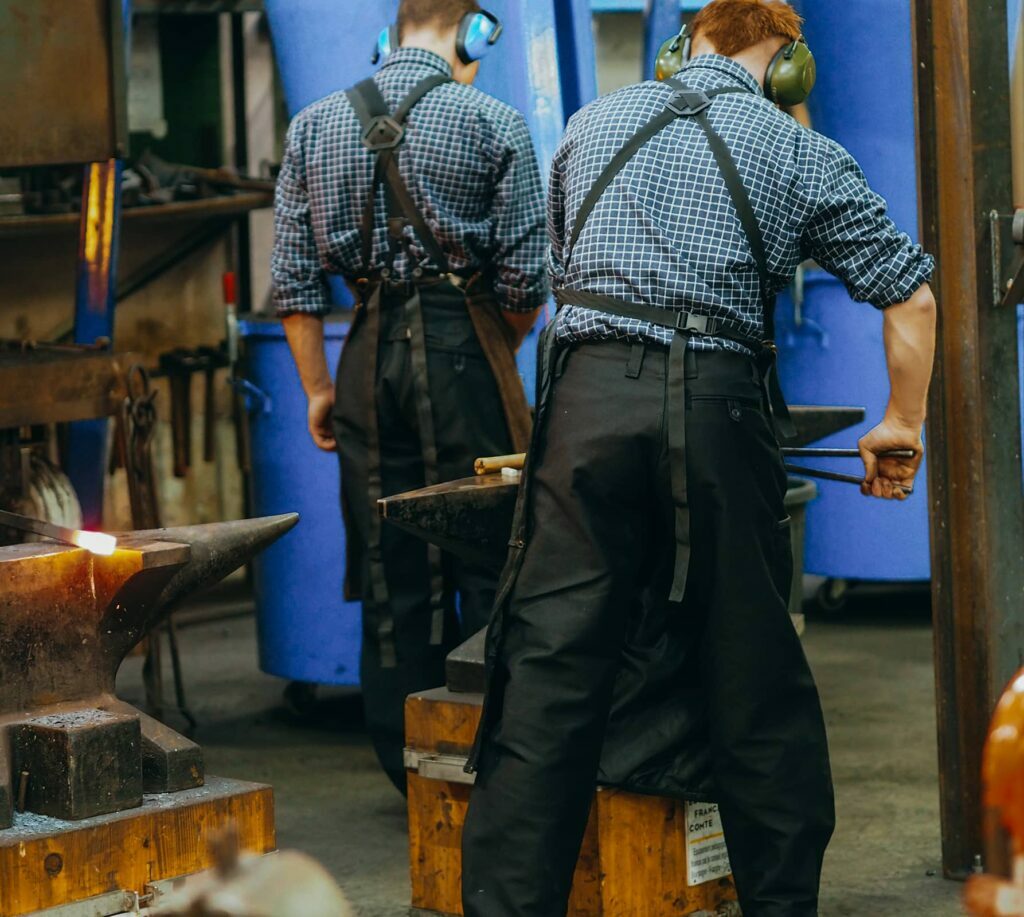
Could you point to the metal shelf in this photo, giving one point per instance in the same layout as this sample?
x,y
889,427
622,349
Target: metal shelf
x,y
225,206
197,6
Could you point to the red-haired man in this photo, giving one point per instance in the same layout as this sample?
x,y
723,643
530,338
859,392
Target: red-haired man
x,y
641,635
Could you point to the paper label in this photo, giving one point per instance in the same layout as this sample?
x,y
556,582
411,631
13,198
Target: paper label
x,y
707,858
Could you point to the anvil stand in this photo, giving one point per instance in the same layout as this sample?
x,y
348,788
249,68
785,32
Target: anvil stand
x,y
472,518
96,797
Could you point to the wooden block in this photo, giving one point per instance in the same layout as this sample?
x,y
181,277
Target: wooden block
x,y
80,763
633,860
45,862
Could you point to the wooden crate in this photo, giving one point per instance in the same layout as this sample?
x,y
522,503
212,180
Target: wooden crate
x,y
45,863
634,858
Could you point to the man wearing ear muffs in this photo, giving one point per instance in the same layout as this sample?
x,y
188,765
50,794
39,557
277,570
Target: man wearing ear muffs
x,y
424,194
640,637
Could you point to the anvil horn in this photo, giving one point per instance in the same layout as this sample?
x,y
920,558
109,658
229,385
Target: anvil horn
x,y
217,550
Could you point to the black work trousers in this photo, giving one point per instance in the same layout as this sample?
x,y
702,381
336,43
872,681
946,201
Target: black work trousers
x,y
594,579
469,422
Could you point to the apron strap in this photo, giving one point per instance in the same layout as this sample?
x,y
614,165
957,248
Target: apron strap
x,y
383,620
383,134
428,444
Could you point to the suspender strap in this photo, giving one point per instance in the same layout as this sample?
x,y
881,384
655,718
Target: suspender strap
x,y
678,106
383,133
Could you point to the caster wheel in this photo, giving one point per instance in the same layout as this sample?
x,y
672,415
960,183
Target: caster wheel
x,y
832,595
300,697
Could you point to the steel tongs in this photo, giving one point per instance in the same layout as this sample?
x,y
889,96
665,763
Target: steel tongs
x,y
818,452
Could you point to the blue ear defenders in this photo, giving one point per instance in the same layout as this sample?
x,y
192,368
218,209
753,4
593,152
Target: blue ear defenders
x,y
478,33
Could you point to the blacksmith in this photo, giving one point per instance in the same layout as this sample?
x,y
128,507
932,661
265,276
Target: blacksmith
x,y
425,195
641,635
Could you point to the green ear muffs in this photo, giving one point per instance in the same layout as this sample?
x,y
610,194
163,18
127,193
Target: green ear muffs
x,y
673,55
789,80
791,75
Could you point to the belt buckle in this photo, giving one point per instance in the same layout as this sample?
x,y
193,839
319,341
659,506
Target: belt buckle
x,y
688,322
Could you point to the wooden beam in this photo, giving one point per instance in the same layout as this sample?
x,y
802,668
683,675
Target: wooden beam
x,y
974,421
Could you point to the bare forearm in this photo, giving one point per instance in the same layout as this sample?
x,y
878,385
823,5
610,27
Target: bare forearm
x,y
909,333
305,335
520,323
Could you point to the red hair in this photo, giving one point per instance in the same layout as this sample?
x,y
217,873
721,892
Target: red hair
x,y
733,26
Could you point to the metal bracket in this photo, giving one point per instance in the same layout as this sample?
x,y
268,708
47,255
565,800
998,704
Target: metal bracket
x,y
1007,292
431,766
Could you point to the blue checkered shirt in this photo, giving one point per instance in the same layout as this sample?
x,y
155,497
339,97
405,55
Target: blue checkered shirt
x,y
469,163
665,233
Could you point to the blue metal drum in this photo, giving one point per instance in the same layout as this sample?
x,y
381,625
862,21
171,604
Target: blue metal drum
x,y
307,632
831,348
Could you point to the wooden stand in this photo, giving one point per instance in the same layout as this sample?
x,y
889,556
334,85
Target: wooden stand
x,y
635,856
46,863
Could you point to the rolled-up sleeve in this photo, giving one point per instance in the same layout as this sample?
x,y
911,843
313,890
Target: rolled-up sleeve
x,y
298,280
849,233
518,214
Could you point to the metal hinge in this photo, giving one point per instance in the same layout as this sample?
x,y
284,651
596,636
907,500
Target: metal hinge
x,y
431,766
1007,292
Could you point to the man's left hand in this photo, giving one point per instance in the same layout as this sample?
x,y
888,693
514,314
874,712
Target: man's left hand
x,y
321,406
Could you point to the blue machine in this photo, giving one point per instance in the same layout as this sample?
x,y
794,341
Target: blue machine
x,y
831,348
544,66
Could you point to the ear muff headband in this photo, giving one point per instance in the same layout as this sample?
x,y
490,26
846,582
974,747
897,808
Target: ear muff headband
x,y
478,33
791,74
387,43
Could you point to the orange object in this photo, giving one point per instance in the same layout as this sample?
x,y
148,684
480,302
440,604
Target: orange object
x,y
1003,776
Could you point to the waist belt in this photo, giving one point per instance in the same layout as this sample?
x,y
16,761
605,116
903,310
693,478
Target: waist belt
x,y
686,103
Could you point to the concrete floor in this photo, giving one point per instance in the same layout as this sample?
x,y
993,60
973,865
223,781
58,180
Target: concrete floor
x,y
875,674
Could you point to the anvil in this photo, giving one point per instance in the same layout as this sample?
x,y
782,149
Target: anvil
x,y
69,748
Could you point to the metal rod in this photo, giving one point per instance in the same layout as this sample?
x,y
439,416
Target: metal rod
x,y
816,452
836,476
93,541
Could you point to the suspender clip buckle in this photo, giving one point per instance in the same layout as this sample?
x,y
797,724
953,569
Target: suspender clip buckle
x,y
688,103
693,324
383,133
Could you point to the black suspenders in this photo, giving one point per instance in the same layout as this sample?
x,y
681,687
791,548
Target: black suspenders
x,y
687,103
383,133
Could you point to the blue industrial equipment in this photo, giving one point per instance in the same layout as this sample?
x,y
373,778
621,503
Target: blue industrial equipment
x,y
831,349
307,631
95,290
